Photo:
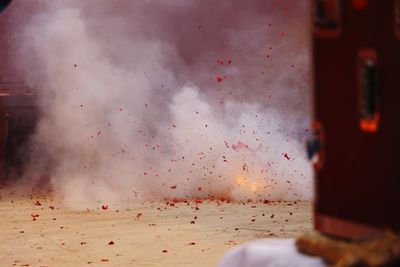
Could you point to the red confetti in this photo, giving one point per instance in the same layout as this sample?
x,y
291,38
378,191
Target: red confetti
x,y
173,186
219,78
286,156
240,145
34,216
104,207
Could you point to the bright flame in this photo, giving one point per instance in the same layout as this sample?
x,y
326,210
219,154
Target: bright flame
x,y
253,187
241,180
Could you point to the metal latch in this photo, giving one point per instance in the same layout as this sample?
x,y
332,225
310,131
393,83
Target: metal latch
x,y
315,146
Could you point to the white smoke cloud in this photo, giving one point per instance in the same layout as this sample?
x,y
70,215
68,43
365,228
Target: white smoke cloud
x,y
151,99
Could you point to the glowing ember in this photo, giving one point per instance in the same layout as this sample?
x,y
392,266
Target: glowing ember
x,y
253,187
241,180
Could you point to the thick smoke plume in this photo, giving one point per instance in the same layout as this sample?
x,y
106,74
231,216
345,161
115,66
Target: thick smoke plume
x,y
169,99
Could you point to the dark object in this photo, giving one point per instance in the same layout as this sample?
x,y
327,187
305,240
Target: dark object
x,y
18,117
327,18
4,4
357,81
314,146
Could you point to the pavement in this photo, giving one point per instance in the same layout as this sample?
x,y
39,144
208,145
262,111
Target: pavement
x,y
39,230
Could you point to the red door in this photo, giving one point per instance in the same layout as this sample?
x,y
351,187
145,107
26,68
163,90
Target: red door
x,y
356,57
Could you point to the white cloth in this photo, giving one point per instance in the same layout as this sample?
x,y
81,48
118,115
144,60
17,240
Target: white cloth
x,y
269,253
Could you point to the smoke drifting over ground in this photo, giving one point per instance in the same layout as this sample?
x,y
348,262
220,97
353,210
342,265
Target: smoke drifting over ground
x,y
169,99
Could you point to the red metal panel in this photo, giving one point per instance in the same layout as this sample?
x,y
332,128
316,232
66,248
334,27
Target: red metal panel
x,y
360,179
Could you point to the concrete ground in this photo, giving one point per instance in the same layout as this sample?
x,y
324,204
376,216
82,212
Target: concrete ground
x,y
38,230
